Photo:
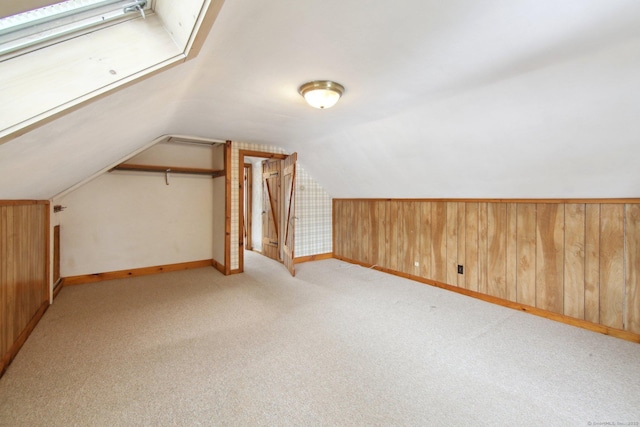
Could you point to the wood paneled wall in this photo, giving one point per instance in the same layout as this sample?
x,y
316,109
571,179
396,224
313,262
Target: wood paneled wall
x,y
575,258
24,284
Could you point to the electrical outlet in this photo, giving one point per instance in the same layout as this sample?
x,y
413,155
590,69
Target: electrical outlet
x,y
416,264
460,269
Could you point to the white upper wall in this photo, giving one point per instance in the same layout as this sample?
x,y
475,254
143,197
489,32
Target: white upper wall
x,y
462,98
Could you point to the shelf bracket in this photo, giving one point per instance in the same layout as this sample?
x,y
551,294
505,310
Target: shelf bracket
x,y
166,176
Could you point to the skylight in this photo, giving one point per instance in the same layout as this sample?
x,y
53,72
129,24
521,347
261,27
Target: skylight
x,y
56,21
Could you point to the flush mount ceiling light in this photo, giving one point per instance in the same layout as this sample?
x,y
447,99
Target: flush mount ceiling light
x,y
321,93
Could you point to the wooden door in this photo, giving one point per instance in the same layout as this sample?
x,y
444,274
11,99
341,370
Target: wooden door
x,y
289,185
271,188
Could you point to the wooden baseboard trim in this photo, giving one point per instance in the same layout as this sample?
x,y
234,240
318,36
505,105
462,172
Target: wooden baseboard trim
x,y
606,330
316,257
98,277
218,266
17,345
57,288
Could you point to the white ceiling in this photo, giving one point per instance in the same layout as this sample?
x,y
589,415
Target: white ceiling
x,y
463,98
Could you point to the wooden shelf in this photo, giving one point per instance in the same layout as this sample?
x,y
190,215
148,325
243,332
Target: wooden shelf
x,y
169,169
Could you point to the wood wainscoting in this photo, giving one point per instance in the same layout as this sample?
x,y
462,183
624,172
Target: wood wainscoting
x,y
24,272
570,259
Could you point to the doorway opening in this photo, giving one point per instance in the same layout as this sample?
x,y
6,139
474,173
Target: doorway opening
x,y
267,206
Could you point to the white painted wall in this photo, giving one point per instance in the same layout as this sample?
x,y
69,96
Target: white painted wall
x,y
124,220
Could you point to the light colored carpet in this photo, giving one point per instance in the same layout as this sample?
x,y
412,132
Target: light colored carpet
x,y
337,345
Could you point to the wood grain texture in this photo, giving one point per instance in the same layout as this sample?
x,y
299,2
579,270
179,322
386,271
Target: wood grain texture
x,y
452,243
6,309
392,220
497,249
550,258
512,252
462,243
134,272
351,236
526,242
383,232
24,273
271,206
483,248
632,268
289,213
408,229
577,260
471,246
425,239
439,241
364,228
612,290
310,258
574,260
592,263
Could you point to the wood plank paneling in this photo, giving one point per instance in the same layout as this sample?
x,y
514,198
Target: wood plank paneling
x,y
24,281
375,227
512,252
550,258
383,232
632,268
392,220
579,259
413,222
574,257
592,263
409,240
612,265
439,241
425,239
483,248
364,231
5,307
462,243
497,249
471,246
352,224
452,244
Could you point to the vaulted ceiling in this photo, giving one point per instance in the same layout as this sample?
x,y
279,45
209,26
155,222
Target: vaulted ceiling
x,y
463,98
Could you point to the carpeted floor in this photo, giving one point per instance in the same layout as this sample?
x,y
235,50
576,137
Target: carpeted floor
x,y
337,345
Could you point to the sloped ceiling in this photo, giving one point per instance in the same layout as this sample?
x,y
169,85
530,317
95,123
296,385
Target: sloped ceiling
x,y
463,98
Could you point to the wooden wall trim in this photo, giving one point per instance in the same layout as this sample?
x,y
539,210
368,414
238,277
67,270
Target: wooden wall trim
x,y
57,287
308,258
593,200
220,267
8,357
23,202
618,333
120,274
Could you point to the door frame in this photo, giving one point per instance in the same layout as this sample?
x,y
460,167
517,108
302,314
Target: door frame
x,y
248,207
241,156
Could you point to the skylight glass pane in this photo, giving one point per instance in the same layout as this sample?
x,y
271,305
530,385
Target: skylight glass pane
x,y
28,30
49,13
